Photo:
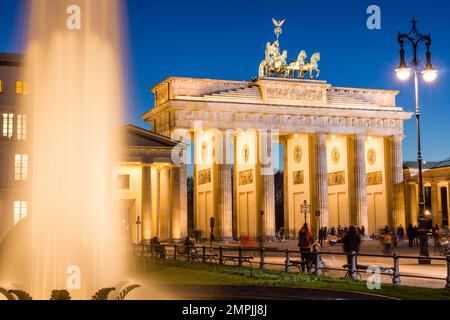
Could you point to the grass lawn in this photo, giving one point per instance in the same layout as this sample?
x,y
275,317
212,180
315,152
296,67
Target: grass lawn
x,y
188,273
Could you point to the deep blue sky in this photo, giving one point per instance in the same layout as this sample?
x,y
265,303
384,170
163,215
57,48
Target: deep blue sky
x,y
226,39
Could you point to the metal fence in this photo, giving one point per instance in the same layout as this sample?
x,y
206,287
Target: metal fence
x,y
257,258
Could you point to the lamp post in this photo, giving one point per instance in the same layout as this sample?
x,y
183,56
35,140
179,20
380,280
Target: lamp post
x,y
305,208
138,223
415,38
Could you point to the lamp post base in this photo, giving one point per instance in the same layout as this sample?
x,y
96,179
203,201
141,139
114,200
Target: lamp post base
x,y
424,253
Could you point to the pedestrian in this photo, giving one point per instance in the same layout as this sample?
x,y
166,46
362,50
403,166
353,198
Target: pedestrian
x,y
400,233
340,231
386,240
321,236
352,242
410,235
363,232
305,241
436,233
416,235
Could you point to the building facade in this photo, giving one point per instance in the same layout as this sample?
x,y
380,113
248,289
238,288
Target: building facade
x,y
436,180
342,150
15,154
149,188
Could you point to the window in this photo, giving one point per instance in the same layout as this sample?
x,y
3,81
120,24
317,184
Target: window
x,y
123,182
8,122
1,86
21,167
21,87
20,211
21,127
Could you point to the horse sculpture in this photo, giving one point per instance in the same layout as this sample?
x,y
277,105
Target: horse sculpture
x,y
296,66
274,66
310,67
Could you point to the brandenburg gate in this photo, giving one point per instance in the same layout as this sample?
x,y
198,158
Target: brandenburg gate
x,y
342,148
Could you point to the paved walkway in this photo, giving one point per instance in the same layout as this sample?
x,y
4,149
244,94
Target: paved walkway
x,y
411,273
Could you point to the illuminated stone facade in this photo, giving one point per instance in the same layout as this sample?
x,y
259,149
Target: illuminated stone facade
x,y
342,152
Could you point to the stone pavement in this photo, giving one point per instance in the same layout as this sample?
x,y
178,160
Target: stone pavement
x,y
411,273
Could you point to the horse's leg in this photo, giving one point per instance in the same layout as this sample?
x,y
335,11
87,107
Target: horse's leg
x,y
318,72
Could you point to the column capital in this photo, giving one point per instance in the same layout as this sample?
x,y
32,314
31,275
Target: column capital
x,y
397,138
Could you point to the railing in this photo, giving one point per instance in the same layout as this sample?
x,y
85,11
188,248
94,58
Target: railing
x,y
220,255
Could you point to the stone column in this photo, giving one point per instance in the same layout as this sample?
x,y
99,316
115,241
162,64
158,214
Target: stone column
x,y
287,224
435,204
225,194
267,183
165,203
183,202
398,193
413,204
146,232
360,184
175,200
321,173
156,200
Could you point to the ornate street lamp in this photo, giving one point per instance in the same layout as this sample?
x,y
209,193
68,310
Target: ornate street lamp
x,y
429,74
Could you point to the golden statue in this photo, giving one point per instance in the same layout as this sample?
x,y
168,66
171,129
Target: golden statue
x,y
275,65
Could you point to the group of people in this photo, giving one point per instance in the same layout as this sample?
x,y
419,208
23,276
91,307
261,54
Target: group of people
x,y
351,239
337,235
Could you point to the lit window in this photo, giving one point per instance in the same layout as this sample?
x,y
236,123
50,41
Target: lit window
x,y
20,211
21,127
123,182
21,87
21,167
8,122
1,86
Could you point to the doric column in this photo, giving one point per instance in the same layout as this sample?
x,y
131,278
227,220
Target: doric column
x,y
183,201
146,203
175,200
165,203
321,178
225,192
156,201
413,204
267,181
360,185
435,204
398,193
288,225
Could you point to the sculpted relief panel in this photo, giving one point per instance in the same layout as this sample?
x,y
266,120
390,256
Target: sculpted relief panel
x,y
245,177
223,119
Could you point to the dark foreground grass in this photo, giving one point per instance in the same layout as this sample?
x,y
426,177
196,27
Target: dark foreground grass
x,y
189,273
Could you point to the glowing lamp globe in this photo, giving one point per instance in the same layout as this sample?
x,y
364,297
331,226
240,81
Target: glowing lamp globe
x,y
403,73
429,74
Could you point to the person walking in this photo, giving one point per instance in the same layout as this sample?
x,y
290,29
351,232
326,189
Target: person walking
x,y
305,242
416,236
400,233
436,233
352,242
387,240
410,235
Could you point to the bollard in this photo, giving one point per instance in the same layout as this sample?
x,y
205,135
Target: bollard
x,y
261,263
175,252
220,255
204,254
287,262
316,255
396,275
240,257
448,273
353,268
